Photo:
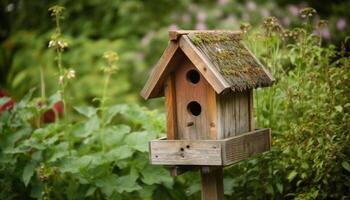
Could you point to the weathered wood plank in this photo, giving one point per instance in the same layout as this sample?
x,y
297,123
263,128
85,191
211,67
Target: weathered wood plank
x,y
251,111
210,152
243,105
185,152
233,113
246,145
202,63
170,106
212,114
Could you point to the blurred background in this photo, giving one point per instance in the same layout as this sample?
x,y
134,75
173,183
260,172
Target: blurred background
x,y
136,29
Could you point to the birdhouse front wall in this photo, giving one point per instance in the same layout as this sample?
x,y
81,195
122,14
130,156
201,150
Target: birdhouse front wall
x,y
195,111
193,103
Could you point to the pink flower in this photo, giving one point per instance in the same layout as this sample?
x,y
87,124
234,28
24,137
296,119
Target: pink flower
x,y
285,21
264,12
173,27
201,16
147,38
9,104
231,19
201,26
55,112
324,33
251,5
186,18
341,24
222,2
294,10
140,56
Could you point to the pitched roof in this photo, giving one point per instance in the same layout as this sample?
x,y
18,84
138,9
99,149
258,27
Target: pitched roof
x,y
220,56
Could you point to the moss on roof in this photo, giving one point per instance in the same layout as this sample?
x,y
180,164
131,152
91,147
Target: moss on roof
x,y
232,59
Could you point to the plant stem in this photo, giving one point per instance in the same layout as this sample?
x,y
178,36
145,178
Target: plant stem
x,y
103,109
62,84
42,84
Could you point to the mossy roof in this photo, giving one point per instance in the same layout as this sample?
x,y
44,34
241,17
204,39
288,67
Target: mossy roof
x,y
227,53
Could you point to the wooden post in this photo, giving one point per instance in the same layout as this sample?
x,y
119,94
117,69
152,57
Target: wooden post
x,y
212,183
212,180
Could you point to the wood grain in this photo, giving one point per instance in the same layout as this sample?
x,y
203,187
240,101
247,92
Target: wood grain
x,y
233,113
251,111
185,152
188,125
222,152
170,106
212,184
212,114
246,145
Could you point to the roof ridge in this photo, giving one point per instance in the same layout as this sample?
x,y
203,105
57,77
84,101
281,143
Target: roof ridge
x,y
175,34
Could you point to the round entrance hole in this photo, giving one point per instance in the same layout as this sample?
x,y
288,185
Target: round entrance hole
x,y
194,108
193,76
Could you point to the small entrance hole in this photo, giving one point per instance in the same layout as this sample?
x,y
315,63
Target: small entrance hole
x,y
193,76
194,108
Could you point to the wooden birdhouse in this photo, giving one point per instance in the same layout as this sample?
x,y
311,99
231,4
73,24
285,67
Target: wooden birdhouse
x,y
207,78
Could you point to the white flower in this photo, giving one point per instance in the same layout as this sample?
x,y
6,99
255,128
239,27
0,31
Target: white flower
x,y
71,74
51,43
60,79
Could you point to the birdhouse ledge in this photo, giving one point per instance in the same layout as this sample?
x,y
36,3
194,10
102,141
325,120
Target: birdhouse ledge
x,y
222,152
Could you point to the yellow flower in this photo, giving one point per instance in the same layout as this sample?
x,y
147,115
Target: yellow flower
x,y
111,56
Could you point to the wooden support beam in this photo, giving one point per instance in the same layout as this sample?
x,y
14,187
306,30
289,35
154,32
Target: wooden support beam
x,y
170,106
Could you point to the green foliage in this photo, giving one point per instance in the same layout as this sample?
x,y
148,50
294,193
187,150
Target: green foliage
x,y
38,162
308,111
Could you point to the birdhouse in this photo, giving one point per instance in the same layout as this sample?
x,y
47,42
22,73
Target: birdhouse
x,y
207,79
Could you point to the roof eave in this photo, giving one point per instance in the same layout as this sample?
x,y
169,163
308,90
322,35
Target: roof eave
x,y
152,88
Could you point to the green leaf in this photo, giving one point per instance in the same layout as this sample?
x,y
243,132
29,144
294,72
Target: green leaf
x,y
339,108
269,189
28,172
279,187
112,111
156,175
292,175
228,186
59,151
138,140
107,184
128,182
87,111
346,165
119,153
4,100
54,99
90,191
116,134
